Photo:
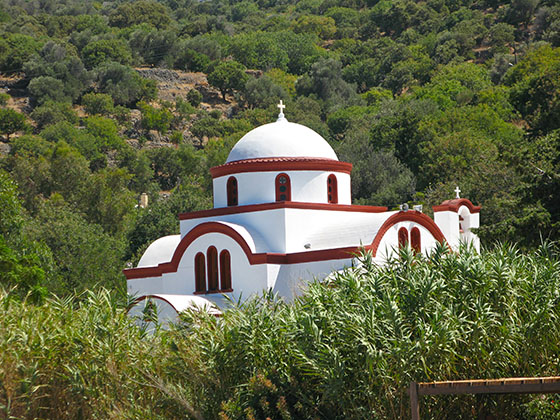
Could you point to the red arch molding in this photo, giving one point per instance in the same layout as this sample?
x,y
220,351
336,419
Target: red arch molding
x,y
141,298
280,258
280,164
453,205
406,216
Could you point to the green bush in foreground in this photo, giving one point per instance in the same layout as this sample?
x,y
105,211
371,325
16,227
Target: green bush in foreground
x,y
350,346
78,359
347,349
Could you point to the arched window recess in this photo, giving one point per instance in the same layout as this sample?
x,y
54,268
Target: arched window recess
x,y
225,271
403,237
332,189
200,273
232,192
283,188
212,262
415,240
209,277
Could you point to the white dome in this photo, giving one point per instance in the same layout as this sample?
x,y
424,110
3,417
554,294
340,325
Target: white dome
x,y
160,251
281,139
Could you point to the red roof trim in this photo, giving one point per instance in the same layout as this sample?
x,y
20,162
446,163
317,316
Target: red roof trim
x,y
406,216
280,258
260,258
280,164
453,205
280,205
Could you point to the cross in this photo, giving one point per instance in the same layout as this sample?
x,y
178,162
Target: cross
x,y
457,191
281,106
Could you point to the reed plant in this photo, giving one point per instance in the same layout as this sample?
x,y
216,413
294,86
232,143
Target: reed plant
x,y
348,348
79,358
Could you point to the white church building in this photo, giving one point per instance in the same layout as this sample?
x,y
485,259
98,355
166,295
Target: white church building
x,y
282,216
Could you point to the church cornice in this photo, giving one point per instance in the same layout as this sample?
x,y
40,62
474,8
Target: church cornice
x,y
221,211
281,258
280,164
455,204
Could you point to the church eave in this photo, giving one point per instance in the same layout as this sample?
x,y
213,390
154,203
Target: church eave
x,y
281,164
221,211
280,258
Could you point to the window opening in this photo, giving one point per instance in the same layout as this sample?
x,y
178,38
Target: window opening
x,y
332,189
232,199
225,271
403,237
283,188
200,273
212,256
415,240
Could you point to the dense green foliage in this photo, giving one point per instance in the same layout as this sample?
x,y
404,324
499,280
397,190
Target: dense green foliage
x,y
419,96
346,349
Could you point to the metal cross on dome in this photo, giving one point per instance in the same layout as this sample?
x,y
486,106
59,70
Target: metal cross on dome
x,y
281,106
457,191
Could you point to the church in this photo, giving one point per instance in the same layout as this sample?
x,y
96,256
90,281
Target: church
x,y
282,217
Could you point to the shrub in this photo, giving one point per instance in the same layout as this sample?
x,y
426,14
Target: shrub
x,y
155,119
97,103
4,98
11,122
53,112
227,77
194,97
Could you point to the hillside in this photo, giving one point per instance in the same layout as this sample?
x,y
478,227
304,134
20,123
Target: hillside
x,y
104,101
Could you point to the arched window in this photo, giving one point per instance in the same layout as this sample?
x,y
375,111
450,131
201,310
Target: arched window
x,y
200,273
415,242
232,191
283,188
332,189
403,237
225,271
212,257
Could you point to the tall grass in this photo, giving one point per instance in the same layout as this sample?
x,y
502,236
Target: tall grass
x,y
350,346
79,359
347,349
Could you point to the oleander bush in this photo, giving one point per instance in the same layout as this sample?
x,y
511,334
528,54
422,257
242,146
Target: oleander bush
x,y
346,349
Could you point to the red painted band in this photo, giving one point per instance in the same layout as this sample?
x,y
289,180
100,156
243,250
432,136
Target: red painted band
x,y
280,205
453,205
254,258
280,258
280,165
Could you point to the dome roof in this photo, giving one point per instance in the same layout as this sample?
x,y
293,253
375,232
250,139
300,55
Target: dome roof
x,y
281,139
160,251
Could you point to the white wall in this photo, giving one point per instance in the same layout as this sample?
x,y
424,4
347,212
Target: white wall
x,y
246,278
288,230
259,187
292,279
267,227
448,222
166,314
325,229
